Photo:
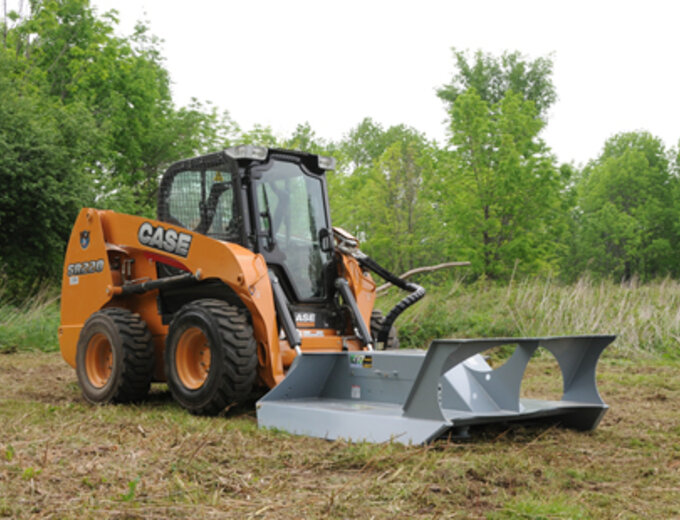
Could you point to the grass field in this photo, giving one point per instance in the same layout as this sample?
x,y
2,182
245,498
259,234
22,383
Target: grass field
x,y
62,458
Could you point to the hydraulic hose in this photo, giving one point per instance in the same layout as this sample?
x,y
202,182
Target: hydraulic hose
x,y
417,293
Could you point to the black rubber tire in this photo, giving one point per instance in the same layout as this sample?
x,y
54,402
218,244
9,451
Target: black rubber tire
x,y
233,356
377,320
131,357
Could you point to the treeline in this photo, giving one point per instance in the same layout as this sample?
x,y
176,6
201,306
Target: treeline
x,y
87,119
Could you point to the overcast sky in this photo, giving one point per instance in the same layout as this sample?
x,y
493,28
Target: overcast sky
x,y
332,63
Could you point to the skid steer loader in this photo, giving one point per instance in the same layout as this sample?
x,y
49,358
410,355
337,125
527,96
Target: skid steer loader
x,y
241,283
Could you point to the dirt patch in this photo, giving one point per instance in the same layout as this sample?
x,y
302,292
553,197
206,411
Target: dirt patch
x,y
37,377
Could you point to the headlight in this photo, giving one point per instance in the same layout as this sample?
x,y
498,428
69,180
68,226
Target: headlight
x,y
326,163
247,151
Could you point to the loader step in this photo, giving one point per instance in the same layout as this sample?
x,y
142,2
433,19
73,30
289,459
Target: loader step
x,y
415,397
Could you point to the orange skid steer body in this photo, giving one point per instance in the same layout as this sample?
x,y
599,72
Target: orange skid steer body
x,y
110,252
241,285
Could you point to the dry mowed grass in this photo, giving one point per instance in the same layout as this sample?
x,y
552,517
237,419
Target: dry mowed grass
x,y
61,458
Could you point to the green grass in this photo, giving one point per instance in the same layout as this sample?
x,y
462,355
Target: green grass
x,y
31,325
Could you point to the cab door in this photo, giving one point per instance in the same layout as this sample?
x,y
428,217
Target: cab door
x,y
292,219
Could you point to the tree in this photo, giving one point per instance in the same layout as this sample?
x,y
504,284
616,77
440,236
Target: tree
x,y
494,77
628,213
86,118
304,138
503,186
381,193
399,224
43,157
73,56
366,143
502,190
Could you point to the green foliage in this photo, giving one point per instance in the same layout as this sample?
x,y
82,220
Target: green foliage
x,y
398,214
304,138
43,171
86,118
30,473
384,198
132,490
75,57
503,185
628,211
9,453
262,135
367,142
497,195
493,77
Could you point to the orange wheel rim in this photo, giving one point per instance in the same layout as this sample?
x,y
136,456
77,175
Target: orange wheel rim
x,y
99,360
193,358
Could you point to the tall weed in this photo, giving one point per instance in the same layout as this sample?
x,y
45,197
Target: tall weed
x,y
30,325
645,317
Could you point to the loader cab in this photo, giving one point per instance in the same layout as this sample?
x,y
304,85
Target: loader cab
x,y
290,214
273,202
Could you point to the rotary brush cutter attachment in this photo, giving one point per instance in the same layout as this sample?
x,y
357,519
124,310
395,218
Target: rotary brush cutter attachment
x,y
416,397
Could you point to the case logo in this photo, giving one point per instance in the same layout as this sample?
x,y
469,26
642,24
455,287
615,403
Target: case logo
x,y
305,317
167,240
84,239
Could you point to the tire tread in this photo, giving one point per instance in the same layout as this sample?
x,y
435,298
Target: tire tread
x,y
238,353
137,352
